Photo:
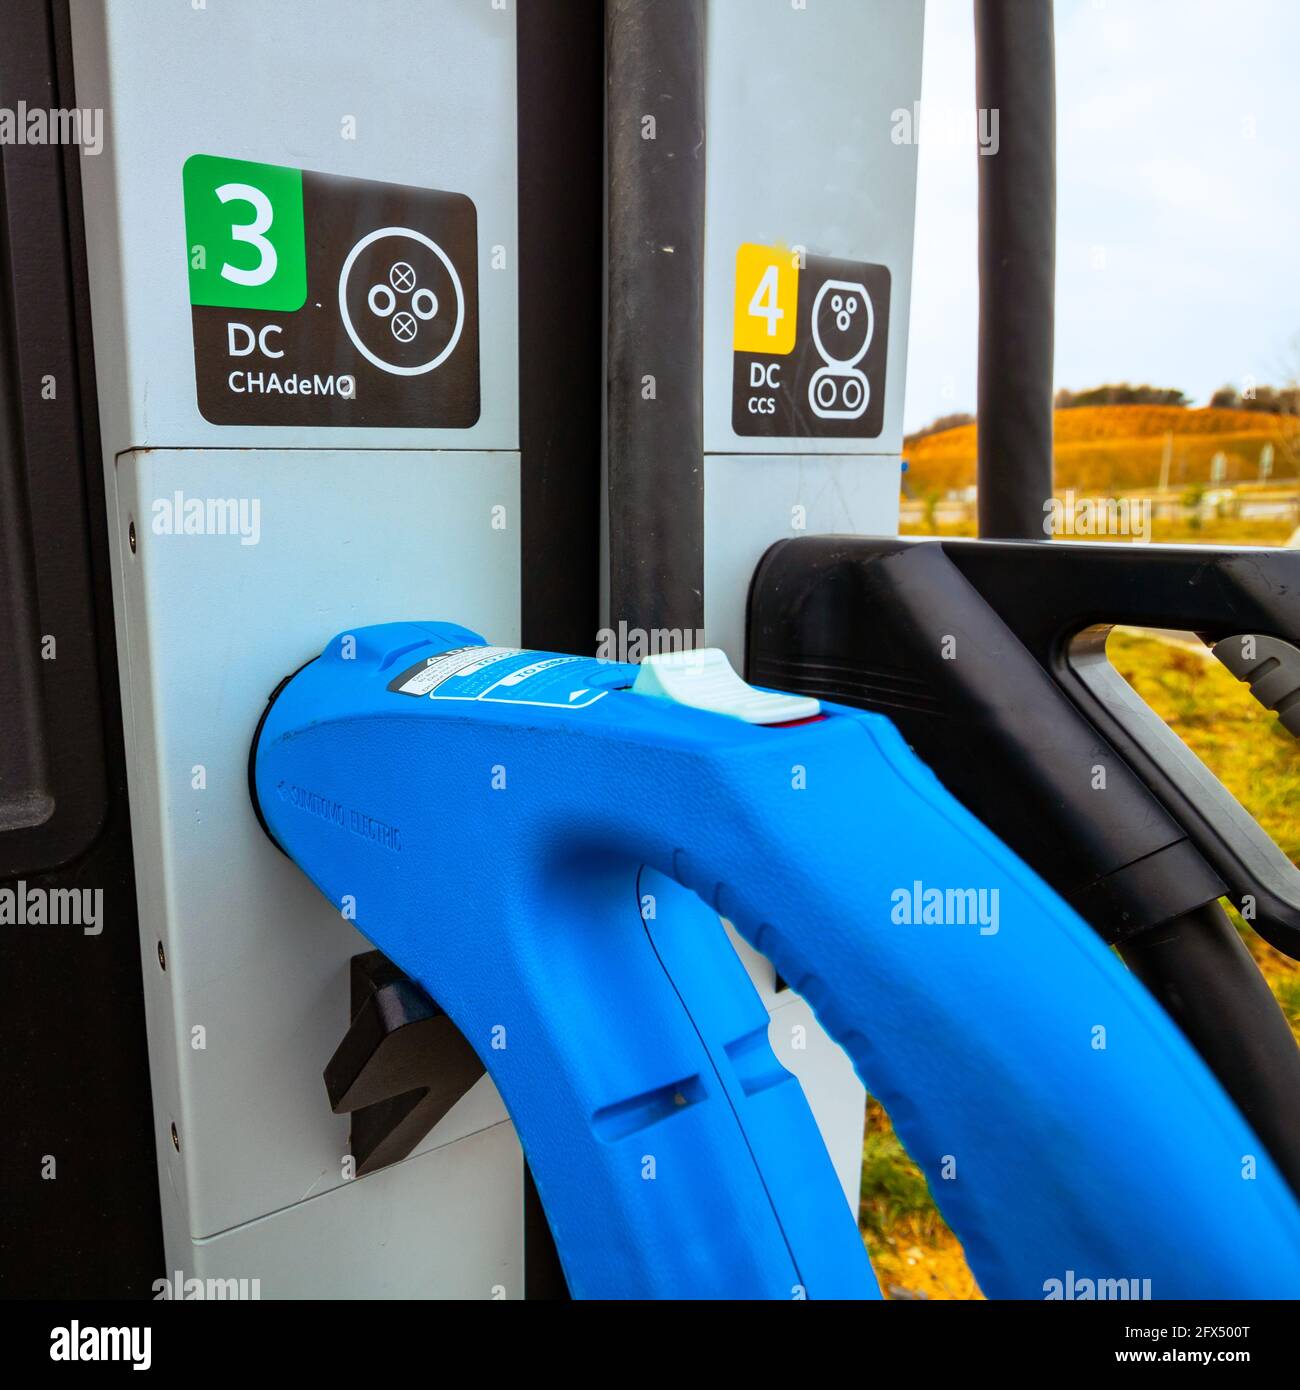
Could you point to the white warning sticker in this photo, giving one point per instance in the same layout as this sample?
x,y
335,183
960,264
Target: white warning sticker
x,y
515,676
462,661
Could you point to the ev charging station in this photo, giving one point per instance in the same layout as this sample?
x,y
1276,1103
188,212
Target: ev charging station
x,y
366,494
444,419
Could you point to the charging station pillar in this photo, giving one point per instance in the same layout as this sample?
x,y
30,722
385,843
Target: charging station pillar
x,y
812,138
305,302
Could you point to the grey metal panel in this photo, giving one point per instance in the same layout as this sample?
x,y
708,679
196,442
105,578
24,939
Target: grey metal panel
x,y
356,526
254,955
800,149
438,1225
751,503
432,90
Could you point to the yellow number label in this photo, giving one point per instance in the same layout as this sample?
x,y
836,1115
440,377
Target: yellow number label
x,y
767,298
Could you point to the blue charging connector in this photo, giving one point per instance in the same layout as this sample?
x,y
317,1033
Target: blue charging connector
x,y
548,849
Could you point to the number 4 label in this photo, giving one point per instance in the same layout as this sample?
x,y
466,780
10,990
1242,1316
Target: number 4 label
x,y
767,298
246,240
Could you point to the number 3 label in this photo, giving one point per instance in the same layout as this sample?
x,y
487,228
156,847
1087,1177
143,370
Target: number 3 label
x,y
251,232
238,261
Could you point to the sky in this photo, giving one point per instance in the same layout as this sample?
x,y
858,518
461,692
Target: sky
x,y
1178,203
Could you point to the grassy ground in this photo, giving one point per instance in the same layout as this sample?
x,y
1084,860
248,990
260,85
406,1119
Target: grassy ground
x,y
915,1254
913,1251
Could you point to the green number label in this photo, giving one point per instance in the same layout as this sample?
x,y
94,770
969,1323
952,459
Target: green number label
x,y
244,225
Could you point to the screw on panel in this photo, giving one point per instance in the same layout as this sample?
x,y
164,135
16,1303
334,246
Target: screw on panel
x,y
162,956
130,536
176,1138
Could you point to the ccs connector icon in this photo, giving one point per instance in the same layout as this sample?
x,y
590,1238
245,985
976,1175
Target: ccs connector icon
x,y
843,322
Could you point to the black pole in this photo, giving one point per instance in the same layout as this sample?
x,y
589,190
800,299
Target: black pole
x,y
1015,84
655,348
561,101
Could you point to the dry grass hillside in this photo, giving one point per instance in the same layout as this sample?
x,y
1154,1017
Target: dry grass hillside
x,y
1118,448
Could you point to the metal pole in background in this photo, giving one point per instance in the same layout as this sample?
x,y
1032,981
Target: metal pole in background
x,y
1015,76
655,55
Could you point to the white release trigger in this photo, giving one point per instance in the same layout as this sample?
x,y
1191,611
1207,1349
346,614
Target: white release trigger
x,y
704,679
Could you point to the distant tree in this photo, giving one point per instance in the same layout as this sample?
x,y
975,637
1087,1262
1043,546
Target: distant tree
x,y
1266,400
1275,400
1120,393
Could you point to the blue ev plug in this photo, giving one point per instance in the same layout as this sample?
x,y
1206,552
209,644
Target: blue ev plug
x,y
546,843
